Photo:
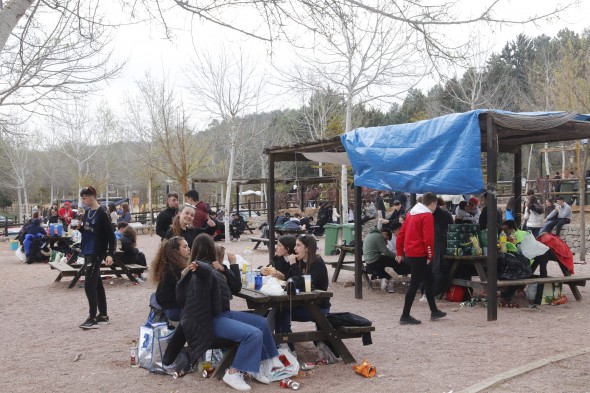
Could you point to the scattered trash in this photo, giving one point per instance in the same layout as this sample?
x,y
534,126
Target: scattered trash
x,y
77,357
365,369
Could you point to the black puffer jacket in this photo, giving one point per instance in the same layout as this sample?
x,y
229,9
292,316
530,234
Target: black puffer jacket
x,y
199,295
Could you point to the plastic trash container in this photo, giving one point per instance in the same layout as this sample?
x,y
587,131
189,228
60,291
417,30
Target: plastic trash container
x,y
347,233
331,237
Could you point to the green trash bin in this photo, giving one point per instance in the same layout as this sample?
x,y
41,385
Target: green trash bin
x,y
331,237
347,233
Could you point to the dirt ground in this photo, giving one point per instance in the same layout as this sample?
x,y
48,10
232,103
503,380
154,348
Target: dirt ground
x,y
42,339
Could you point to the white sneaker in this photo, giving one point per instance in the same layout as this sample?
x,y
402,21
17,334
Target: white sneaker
x,y
384,282
236,381
261,378
389,270
423,299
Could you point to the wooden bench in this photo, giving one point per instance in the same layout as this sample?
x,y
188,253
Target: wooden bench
x,y
572,281
77,270
249,228
259,240
139,227
349,266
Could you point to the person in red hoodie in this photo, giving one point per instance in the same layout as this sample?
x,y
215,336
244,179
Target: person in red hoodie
x,y
201,209
415,242
66,212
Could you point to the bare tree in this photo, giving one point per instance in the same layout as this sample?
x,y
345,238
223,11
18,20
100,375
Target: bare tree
x,y
226,86
107,127
78,142
17,158
51,52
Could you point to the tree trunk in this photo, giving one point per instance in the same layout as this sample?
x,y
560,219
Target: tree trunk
x,y
528,171
344,172
12,12
230,174
562,160
151,205
547,166
321,170
20,204
26,198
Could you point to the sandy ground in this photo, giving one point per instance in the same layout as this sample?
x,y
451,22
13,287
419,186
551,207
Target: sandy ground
x,y
42,338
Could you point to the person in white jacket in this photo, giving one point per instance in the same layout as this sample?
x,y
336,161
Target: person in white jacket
x,y
533,215
335,215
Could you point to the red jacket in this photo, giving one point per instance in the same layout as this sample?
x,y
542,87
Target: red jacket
x,y
559,248
201,215
416,238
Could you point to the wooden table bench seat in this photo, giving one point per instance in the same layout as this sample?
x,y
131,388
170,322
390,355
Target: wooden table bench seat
x,y
259,240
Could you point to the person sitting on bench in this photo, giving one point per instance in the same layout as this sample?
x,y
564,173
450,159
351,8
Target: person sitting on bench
x,y
380,260
279,266
558,218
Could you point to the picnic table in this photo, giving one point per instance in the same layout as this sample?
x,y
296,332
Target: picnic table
x,y
286,231
77,270
261,304
479,263
259,240
342,264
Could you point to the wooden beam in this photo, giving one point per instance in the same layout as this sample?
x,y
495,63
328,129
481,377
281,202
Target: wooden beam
x,y
492,206
517,186
358,240
271,206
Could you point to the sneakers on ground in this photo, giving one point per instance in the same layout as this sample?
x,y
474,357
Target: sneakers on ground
x,y
384,282
390,287
437,315
103,319
423,299
389,270
409,320
90,323
261,378
236,381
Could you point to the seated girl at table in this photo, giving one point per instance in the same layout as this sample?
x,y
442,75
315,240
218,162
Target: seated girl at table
x,y
305,261
171,259
279,266
204,293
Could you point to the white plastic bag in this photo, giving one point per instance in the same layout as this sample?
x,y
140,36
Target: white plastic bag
x,y
532,248
288,371
272,288
153,341
20,254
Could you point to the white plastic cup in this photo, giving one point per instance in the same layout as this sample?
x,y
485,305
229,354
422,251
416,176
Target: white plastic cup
x,y
307,279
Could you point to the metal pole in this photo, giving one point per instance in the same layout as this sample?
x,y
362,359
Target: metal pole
x,y
517,185
358,239
492,206
238,199
271,206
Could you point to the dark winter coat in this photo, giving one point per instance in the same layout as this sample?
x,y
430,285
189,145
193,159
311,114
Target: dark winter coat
x,y
199,295
164,221
129,255
104,236
318,273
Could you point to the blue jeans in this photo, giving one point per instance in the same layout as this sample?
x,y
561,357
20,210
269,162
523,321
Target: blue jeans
x,y
300,314
252,333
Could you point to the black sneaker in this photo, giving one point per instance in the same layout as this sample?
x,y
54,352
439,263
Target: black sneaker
x,y
103,319
437,315
89,324
409,320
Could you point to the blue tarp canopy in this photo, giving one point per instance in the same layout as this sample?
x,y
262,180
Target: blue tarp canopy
x,y
440,155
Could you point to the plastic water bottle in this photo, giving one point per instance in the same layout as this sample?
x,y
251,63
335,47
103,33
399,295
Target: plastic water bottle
x,y
503,242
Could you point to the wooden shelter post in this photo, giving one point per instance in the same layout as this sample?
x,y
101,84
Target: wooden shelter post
x,y
517,186
358,241
302,192
492,207
271,205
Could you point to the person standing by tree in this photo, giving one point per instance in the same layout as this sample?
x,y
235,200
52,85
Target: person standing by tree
x,y
98,244
416,242
165,217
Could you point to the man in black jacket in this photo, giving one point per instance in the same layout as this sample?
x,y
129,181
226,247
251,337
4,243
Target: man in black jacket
x,y
98,244
165,217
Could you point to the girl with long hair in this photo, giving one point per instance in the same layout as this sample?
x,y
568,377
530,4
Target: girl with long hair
x,y
533,215
165,272
304,261
251,331
279,266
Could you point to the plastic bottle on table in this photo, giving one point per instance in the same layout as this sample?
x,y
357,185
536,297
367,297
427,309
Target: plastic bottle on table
x,y
503,242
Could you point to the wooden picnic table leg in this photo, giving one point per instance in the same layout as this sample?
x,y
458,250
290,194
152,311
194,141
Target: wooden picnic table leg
x,y
59,277
119,263
257,244
228,358
480,271
572,285
79,274
338,266
331,333
452,272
